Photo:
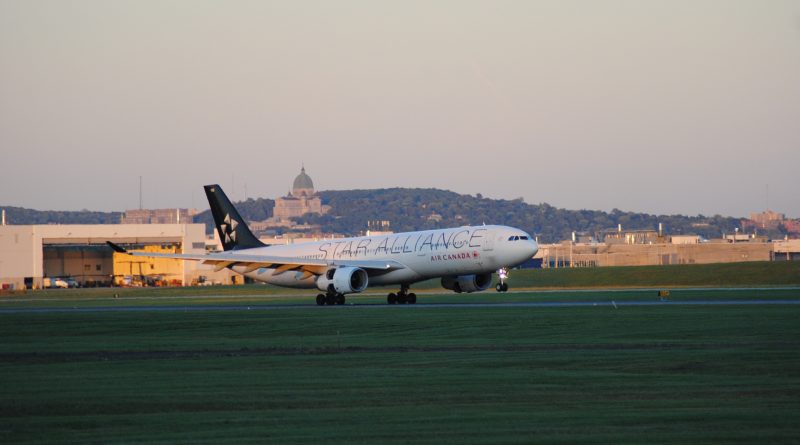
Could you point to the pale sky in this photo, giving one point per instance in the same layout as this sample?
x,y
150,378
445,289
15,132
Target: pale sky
x,y
678,106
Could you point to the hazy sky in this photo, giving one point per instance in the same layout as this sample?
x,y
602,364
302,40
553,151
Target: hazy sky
x,y
655,106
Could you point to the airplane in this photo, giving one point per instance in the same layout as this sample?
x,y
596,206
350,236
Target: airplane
x,y
463,257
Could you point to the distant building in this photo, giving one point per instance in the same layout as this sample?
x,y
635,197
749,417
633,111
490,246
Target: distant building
x,y
684,239
767,219
583,238
158,216
379,227
620,236
434,217
743,238
302,200
31,253
787,250
792,226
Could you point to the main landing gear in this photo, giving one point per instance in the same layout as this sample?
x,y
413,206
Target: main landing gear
x,y
330,299
502,286
402,297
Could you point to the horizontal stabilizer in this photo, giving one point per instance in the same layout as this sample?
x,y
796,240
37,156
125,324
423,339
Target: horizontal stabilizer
x,y
116,248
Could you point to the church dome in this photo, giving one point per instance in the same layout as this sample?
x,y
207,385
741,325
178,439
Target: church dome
x,y
303,183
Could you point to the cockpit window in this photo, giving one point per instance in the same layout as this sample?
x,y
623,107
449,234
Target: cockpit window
x,y
523,237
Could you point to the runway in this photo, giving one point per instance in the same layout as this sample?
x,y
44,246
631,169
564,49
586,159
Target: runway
x,y
356,306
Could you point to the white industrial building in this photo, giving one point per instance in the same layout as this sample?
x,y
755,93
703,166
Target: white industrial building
x,y
30,253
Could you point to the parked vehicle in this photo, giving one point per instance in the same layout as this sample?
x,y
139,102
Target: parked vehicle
x,y
155,280
55,283
131,281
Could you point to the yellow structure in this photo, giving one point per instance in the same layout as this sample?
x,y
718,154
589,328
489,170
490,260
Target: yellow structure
x,y
138,271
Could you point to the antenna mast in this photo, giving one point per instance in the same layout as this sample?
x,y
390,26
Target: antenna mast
x,y
767,198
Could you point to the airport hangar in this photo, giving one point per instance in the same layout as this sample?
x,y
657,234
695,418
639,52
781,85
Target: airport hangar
x,y
30,253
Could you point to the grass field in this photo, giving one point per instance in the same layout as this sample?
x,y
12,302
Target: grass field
x,y
379,374
370,373
686,282
762,273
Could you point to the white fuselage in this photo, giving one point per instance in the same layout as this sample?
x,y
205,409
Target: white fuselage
x,y
426,254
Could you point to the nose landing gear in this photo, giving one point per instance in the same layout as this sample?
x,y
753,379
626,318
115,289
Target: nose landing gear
x,y
502,274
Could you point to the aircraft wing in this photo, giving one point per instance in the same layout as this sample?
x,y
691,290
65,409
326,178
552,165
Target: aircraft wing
x,y
222,260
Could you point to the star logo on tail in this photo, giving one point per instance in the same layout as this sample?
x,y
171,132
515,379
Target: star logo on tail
x,y
228,227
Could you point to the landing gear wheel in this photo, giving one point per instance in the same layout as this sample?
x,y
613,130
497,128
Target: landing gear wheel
x,y
502,275
392,298
320,299
402,299
412,298
330,299
340,299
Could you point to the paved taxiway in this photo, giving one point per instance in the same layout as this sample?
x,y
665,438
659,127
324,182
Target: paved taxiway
x,y
261,307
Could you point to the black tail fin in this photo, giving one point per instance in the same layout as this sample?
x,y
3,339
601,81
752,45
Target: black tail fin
x,y
233,232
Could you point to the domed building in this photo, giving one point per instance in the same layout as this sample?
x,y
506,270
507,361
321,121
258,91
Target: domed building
x,y
300,201
303,185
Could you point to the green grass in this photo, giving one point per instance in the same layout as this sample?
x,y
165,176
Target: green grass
x,y
681,280
778,273
665,374
267,297
754,274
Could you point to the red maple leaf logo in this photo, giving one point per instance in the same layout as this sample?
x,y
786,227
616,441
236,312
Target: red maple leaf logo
x,y
474,254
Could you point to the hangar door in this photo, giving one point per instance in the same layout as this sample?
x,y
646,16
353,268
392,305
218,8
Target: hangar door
x,y
90,265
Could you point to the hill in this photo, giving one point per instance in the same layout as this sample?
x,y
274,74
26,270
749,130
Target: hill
x,y
251,210
19,215
420,209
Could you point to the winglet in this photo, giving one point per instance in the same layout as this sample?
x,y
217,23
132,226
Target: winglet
x,y
116,248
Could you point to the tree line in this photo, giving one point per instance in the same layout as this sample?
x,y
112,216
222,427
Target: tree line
x,y
422,209
19,215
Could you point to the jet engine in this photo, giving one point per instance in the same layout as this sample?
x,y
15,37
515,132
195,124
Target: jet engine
x,y
343,280
467,283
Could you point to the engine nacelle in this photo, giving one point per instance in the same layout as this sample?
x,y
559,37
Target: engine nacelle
x,y
468,283
343,280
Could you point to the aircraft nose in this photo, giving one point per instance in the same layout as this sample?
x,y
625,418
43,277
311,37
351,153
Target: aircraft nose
x,y
532,247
